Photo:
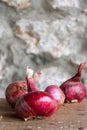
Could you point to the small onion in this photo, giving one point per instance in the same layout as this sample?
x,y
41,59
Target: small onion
x,y
56,93
14,91
35,104
73,88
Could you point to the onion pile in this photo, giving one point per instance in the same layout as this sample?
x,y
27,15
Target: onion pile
x,y
19,88
29,102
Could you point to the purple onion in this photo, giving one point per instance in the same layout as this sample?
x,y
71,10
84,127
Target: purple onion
x,y
35,104
56,93
73,88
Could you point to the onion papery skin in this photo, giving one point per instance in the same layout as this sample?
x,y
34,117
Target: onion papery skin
x,y
14,91
31,79
73,88
35,104
56,93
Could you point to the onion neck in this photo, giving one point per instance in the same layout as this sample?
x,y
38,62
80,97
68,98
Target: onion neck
x,y
79,72
31,79
31,84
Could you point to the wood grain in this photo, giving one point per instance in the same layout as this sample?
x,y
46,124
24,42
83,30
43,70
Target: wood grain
x,y
71,116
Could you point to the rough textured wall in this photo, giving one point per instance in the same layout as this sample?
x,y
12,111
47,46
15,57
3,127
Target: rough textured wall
x,y
45,34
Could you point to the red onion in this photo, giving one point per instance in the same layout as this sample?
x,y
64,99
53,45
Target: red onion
x,y
14,91
73,88
56,93
35,104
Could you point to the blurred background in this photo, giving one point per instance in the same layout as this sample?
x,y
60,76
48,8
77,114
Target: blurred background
x,y
47,35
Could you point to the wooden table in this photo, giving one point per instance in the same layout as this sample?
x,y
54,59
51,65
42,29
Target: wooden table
x,y
71,116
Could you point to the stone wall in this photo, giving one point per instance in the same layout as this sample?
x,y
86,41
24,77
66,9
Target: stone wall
x,y
48,35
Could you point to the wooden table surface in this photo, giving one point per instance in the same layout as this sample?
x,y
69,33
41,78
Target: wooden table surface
x,y
71,116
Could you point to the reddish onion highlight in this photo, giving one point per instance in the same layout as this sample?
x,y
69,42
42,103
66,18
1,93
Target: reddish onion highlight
x,y
56,93
14,91
34,104
73,88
